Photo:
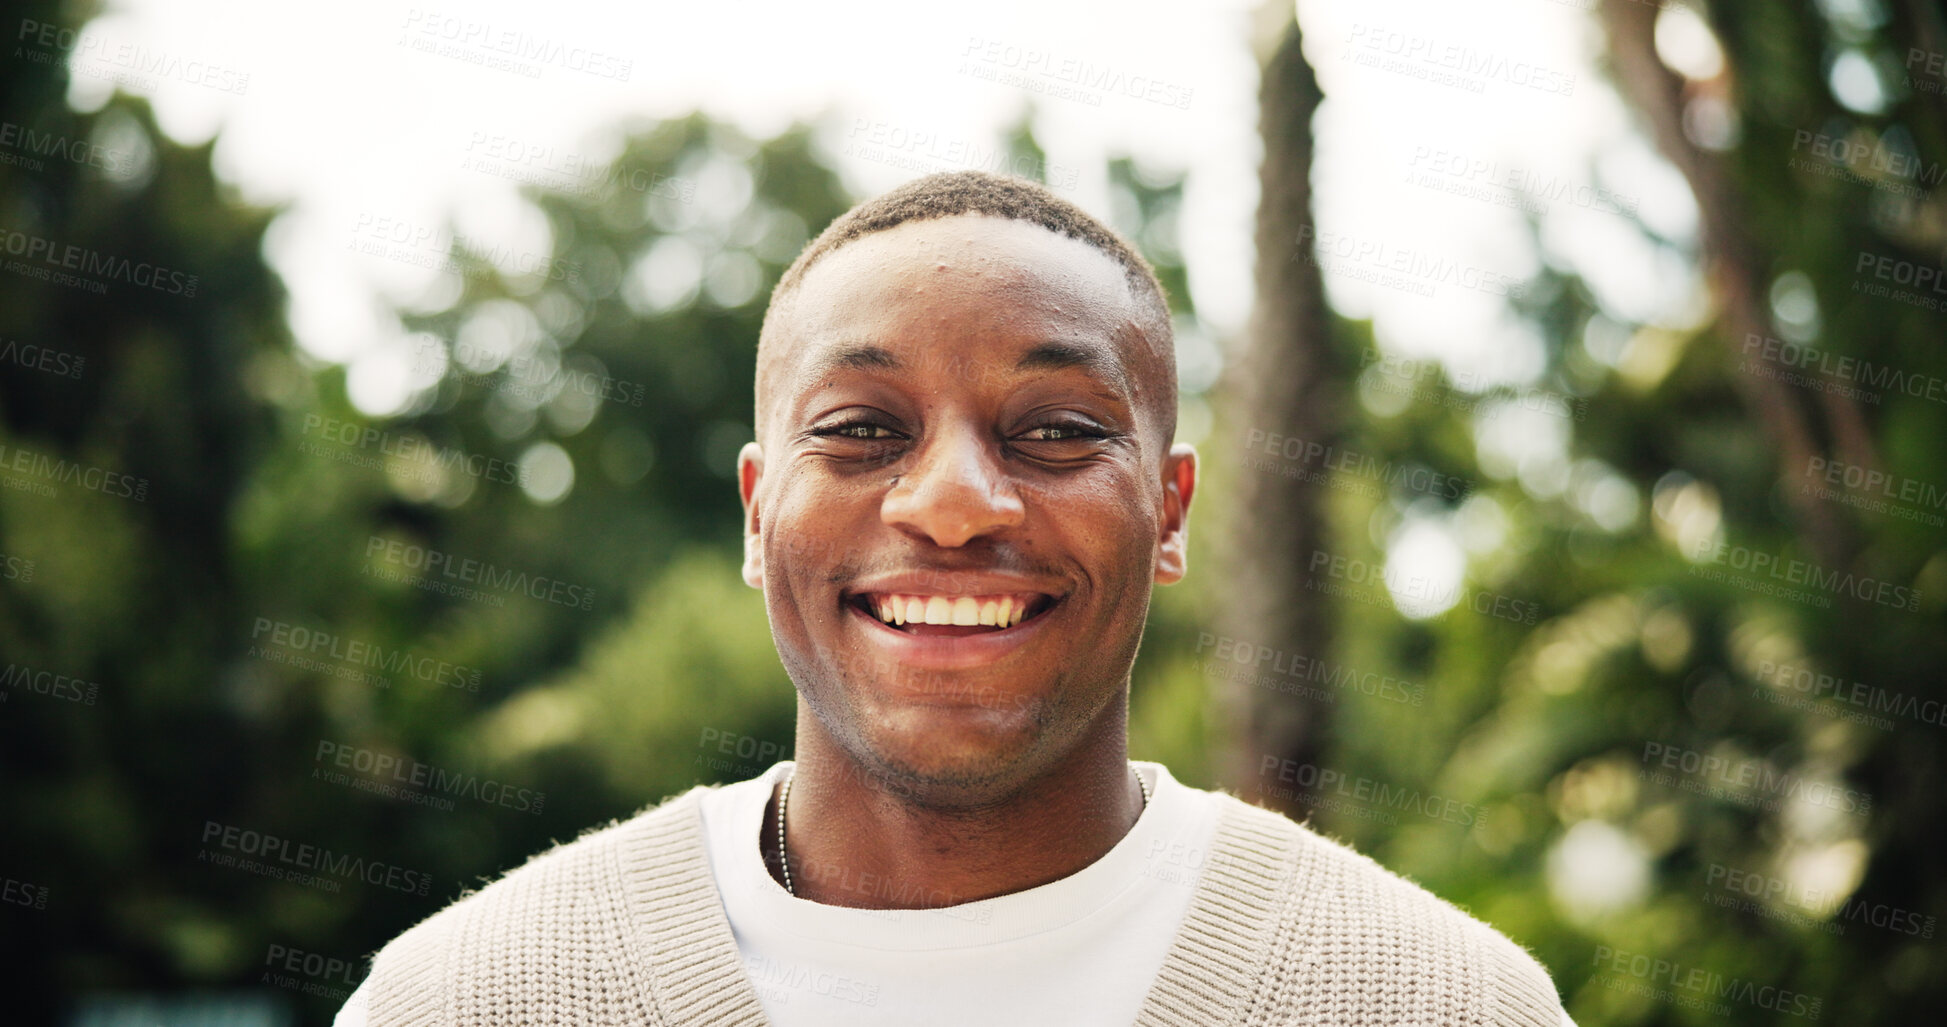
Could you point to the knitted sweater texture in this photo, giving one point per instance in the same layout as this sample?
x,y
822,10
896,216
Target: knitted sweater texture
x,y
625,926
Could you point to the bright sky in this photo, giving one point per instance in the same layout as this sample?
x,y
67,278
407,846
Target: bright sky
x,y
344,117
1447,122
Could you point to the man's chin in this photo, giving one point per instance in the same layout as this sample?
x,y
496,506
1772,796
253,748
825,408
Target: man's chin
x,y
950,755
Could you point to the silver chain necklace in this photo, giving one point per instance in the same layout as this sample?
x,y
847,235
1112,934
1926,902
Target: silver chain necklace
x,y
784,799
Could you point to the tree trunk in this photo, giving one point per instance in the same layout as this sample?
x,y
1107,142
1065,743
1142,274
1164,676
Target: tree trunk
x,y
1739,280
1288,383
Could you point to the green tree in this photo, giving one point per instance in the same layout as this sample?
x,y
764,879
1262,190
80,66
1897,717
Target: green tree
x,y
1622,731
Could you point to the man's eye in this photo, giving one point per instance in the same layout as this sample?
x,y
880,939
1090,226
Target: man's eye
x,y
857,430
1063,433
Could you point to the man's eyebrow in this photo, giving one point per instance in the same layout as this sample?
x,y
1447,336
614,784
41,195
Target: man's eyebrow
x,y
854,358
1046,356
1056,356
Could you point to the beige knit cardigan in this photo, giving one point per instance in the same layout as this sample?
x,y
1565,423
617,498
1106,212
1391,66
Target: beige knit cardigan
x,y
625,926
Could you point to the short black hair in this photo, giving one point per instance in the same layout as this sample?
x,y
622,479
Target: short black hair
x,y
948,194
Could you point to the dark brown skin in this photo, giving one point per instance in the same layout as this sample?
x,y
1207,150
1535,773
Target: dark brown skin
x,y
966,782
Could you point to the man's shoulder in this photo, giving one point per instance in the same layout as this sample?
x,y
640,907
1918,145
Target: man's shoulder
x,y
1336,877
531,897
576,859
1339,905
623,921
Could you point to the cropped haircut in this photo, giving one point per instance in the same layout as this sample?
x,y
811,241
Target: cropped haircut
x,y
979,192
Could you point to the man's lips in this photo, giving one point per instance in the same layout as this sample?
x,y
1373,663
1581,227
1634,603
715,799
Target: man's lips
x,y
947,602
929,648
951,615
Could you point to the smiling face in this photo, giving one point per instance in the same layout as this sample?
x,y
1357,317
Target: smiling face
x,y
962,496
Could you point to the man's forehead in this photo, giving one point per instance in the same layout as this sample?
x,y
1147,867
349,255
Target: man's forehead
x,y
1017,263
823,361
978,297
963,285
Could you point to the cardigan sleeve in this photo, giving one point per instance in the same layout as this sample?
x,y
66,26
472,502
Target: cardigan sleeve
x,y
1520,992
352,1013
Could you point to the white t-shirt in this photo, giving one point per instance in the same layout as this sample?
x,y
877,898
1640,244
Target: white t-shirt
x,y
1079,951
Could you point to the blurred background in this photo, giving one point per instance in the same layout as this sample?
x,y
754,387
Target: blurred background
x,y
1568,377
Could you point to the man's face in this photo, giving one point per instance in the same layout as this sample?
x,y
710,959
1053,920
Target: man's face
x,y
961,429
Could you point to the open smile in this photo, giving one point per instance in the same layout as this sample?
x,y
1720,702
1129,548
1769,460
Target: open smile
x,y
951,615
949,632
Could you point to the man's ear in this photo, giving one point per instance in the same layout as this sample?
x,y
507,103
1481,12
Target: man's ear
x,y
1179,484
750,474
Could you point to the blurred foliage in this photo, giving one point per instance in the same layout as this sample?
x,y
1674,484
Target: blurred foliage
x,y
1544,733
651,669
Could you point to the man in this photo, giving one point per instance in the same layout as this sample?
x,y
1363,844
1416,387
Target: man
x,y
962,489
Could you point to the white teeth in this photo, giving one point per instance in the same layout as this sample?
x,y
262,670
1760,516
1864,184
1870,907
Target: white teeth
x,y
1003,612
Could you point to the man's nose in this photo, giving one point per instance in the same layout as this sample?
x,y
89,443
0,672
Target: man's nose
x,y
957,490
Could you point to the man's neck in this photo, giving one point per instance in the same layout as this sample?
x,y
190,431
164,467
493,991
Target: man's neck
x,y
858,839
